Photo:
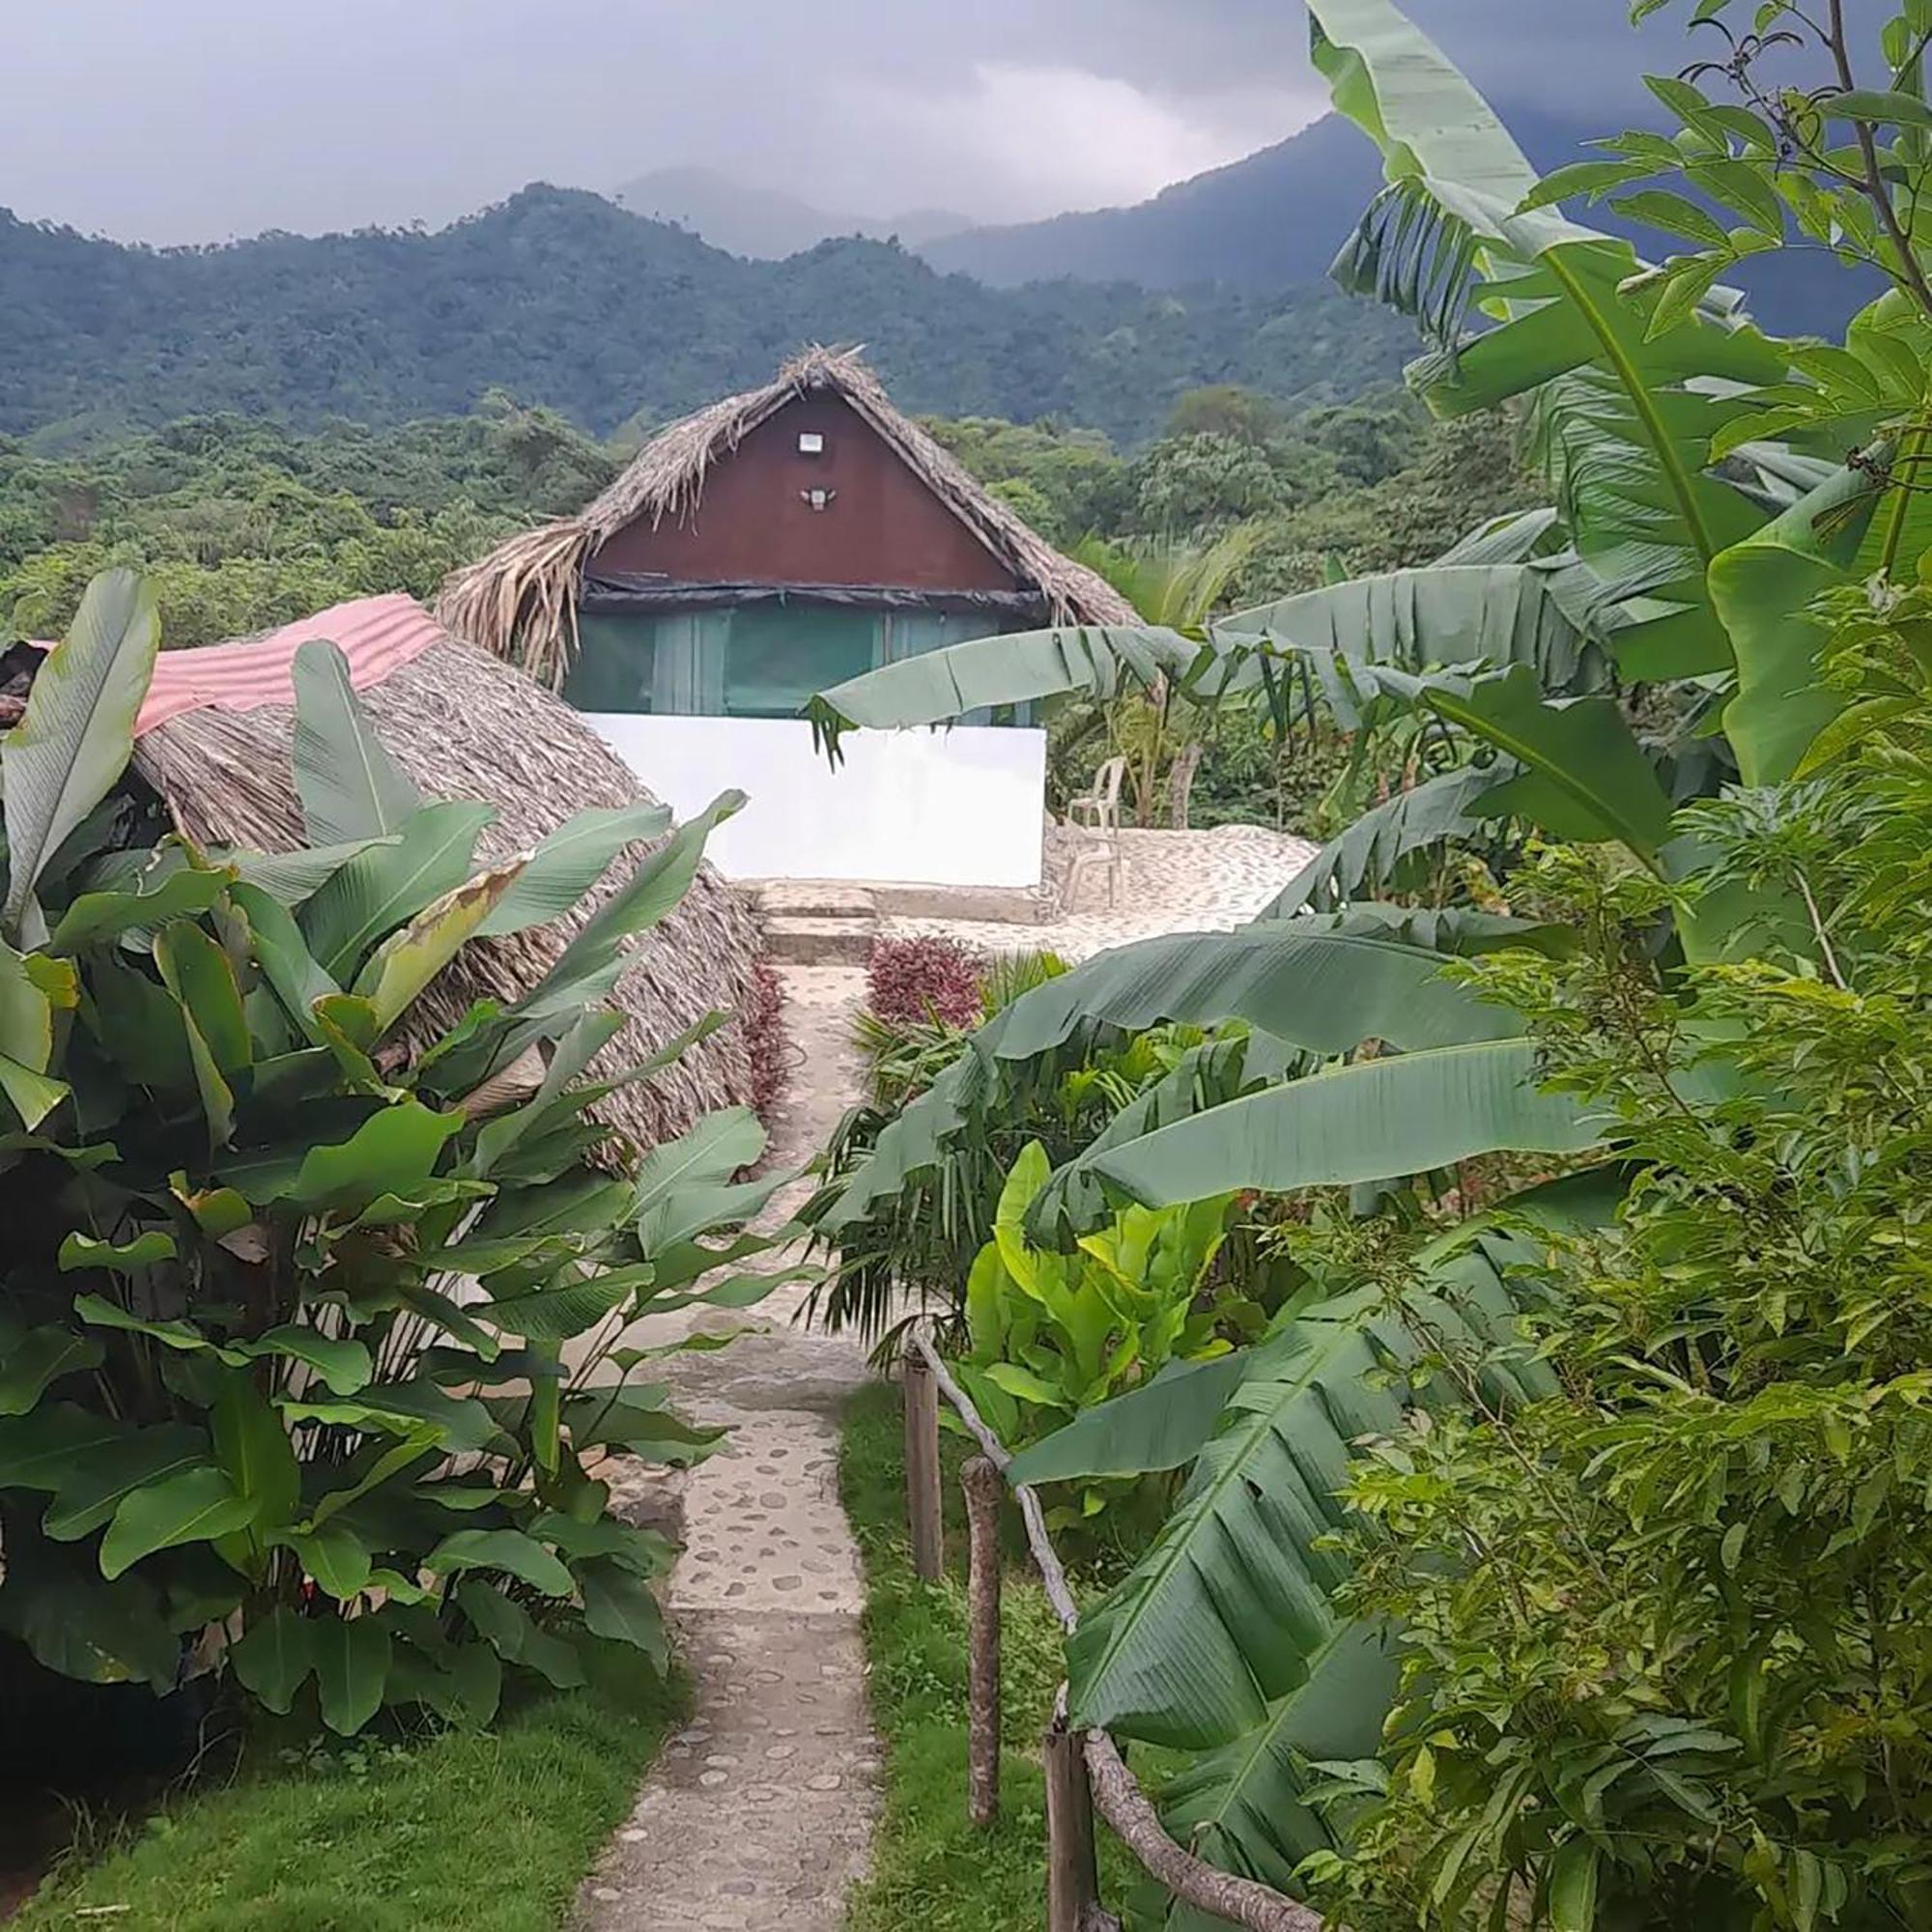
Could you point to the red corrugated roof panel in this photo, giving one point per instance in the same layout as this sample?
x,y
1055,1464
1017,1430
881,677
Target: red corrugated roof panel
x,y
374,633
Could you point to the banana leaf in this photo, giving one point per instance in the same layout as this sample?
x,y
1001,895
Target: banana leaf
x,y
1514,538
1405,1113
1623,432
1242,1808
1439,811
1163,1426
1547,613
1318,985
1019,667
1581,773
1448,932
1229,1609
1220,1070
1220,1616
1532,613
1323,990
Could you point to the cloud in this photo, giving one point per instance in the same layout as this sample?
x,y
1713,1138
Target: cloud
x,y
198,119
1033,140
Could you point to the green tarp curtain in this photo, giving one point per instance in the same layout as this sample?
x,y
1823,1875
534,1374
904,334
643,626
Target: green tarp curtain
x,y
759,660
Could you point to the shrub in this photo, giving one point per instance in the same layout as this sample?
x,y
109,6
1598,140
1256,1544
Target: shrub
x,y
768,1041
302,1312
935,981
1010,975
1049,1335
905,1056
908,1221
1665,1636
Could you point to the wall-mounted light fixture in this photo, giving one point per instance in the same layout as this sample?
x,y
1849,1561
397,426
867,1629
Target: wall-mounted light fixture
x,y
810,443
818,500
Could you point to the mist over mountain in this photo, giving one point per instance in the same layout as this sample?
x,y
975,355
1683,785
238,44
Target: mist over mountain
x,y
766,223
1272,221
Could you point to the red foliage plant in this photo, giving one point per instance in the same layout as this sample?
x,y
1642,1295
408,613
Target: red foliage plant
x,y
766,1038
924,980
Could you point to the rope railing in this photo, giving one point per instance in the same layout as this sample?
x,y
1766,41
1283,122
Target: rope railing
x,y
1107,1784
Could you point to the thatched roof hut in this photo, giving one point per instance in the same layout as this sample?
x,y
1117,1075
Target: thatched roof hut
x,y
519,602
464,725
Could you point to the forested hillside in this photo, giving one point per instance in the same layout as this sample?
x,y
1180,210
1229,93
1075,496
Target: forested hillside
x,y
242,524
566,300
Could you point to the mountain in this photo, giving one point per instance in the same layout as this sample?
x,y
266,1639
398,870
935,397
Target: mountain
x,y
1273,220
1276,219
566,300
763,222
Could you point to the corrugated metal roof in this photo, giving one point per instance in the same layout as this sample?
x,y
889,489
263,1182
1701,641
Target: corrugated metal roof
x,y
374,633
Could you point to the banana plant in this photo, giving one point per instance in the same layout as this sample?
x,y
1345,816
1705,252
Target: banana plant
x,y
314,1330
1050,1335
1628,394
1224,1640
1505,642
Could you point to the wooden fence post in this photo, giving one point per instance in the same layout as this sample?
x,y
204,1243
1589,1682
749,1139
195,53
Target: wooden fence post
x,y
982,1484
921,1467
1072,1878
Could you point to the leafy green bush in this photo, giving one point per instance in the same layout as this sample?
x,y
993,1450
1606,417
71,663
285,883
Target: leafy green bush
x,y
1049,1335
908,1216
306,1333
1688,1675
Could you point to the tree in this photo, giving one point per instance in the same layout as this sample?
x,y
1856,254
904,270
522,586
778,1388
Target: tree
x,y
1225,409
1203,482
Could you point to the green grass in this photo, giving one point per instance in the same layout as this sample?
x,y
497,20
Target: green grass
x,y
931,1868
486,1832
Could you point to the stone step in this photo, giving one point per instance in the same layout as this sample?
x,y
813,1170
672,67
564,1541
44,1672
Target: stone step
x,y
815,898
821,941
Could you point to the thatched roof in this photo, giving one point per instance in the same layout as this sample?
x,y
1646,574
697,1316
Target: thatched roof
x,y
519,602
464,726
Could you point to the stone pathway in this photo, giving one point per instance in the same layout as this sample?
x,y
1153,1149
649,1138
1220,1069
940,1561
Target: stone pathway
x,y
1172,882
760,1812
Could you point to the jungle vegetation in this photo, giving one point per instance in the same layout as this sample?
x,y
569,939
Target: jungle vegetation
x,y
1557,1556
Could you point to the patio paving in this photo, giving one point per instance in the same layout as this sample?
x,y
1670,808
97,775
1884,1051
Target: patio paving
x,y
1172,882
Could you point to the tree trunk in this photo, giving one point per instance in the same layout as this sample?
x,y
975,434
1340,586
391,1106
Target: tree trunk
x,y
921,1467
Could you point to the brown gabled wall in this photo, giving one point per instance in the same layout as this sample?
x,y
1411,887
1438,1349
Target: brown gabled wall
x,y
883,526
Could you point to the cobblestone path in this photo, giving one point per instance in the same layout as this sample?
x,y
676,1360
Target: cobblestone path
x,y
759,1811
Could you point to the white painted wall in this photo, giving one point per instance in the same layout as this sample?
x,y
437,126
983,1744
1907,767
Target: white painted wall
x,y
946,807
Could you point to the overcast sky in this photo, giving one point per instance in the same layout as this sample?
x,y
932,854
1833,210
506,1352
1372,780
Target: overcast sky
x,y
199,120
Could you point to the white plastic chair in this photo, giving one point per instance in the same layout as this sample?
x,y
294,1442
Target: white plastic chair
x,y
1096,851
1098,808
